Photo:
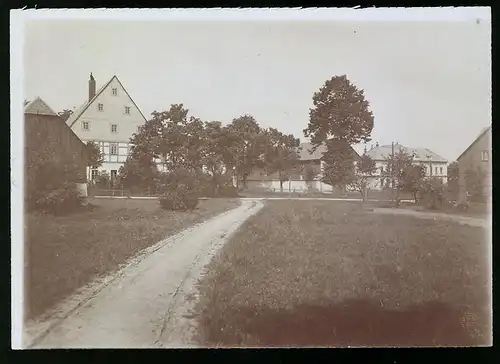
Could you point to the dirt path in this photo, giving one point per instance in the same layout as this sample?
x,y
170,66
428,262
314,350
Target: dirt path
x,y
145,304
466,220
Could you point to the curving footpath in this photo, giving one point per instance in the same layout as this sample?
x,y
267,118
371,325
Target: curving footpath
x,y
145,304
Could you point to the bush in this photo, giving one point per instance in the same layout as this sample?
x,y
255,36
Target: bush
x,y
62,200
50,184
433,194
176,201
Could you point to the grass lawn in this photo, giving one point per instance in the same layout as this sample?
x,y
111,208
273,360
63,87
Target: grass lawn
x,y
64,253
321,273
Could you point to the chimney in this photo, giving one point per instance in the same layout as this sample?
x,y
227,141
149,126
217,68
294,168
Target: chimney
x,y
91,87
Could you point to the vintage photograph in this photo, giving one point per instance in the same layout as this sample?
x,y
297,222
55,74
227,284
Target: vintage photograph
x,y
251,178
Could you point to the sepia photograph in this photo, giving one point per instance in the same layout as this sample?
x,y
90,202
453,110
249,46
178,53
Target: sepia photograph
x,y
251,178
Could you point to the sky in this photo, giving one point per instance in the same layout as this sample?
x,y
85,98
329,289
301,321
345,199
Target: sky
x,y
428,82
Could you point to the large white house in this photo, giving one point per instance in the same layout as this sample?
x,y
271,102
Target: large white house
x,y
108,117
434,164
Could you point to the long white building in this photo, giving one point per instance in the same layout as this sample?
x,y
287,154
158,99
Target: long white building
x,y
433,163
108,117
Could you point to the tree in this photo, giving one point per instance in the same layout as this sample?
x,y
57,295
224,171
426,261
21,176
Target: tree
x,y
171,136
310,174
474,182
400,173
452,183
433,192
95,156
340,161
216,153
139,172
247,146
281,154
365,170
65,114
340,112
340,117
412,179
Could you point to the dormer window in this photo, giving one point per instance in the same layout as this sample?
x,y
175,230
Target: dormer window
x,y
100,107
114,128
85,125
484,156
127,110
115,91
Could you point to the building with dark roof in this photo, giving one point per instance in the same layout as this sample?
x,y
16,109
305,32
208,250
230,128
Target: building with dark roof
x,y
477,156
46,131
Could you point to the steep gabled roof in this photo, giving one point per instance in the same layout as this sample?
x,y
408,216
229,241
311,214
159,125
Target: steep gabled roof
x,y
39,107
483,131
76,115
380,153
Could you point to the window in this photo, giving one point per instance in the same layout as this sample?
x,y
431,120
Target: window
x,y
114,128
85,125
113,174
113,149
100,107
115,91
381,170
436,170
484,156
94,174
127,110
441,170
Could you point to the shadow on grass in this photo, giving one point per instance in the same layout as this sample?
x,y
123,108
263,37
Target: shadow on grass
x,y
351,323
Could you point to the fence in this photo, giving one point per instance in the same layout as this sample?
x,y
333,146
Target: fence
x,y
95,191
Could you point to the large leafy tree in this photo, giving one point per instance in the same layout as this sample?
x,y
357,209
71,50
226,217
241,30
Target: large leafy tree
x,y
216,153
139,172
171,136
247,146
340,117
340,161
281,154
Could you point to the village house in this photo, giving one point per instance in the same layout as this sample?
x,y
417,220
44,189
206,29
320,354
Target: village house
x,y
298,179
434,165
477,156
44,131
108,117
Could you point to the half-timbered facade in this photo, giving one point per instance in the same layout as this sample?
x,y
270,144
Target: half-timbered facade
x,y
109,118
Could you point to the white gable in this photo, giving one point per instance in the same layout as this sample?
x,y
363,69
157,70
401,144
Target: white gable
x,y
110,116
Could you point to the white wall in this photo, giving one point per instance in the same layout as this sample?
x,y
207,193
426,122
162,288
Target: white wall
x,y
439,169
100,124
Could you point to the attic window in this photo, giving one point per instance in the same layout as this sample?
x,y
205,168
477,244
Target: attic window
x,y
114,128
127,110
85,125
115,91
484,156
100,107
